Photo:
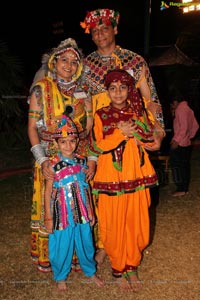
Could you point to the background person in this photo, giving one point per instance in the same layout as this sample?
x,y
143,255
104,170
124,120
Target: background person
x,y
185,127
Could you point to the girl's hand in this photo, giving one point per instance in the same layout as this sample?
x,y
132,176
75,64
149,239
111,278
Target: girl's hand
x,y
127,128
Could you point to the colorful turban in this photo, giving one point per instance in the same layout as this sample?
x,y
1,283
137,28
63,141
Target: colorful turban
x,y
133,94
66,128
98,17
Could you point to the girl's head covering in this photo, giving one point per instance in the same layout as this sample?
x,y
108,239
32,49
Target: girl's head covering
x,y
66,128
118,75
100,16
66,45
125,78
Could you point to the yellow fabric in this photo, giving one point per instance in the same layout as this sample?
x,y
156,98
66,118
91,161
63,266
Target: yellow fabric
x,y
139,82
117,60
57,103
100,100
150,114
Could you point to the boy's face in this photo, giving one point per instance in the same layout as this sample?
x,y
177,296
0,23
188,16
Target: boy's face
x,y
67,145
118,93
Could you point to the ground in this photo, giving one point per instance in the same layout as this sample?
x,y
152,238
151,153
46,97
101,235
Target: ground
x,y
169,269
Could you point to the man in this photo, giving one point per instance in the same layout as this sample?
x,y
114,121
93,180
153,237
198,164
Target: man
x,y
102,24
185,128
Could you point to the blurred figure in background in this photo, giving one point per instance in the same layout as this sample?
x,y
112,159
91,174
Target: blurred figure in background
x,y
185,127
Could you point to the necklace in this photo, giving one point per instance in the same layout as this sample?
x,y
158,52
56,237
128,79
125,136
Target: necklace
x,y
66,87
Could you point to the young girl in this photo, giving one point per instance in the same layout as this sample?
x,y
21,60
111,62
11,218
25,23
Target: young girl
x,y
68,210
123,177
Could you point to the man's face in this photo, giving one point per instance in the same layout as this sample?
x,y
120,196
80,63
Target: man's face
x,y
103,35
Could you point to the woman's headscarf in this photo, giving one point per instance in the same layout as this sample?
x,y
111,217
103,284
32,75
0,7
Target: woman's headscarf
x,y
66,45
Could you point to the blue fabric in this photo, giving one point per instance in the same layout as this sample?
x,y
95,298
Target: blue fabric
x,y
62,244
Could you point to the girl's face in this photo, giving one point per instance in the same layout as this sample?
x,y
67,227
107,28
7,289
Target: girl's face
x,y
118,93
66,65
67,145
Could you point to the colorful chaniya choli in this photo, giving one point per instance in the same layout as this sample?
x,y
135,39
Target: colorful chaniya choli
x,y
70,202
55,98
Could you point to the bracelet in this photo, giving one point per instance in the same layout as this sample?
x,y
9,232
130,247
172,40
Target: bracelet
x,y
41,160
48,219
34,114
39,153
95,158
89,113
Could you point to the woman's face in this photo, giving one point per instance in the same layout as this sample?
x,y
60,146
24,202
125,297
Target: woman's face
x,y
66,65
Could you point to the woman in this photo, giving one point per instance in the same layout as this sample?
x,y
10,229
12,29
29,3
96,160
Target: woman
x,y
62,89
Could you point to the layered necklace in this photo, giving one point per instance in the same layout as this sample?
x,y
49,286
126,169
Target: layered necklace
x,y
66,88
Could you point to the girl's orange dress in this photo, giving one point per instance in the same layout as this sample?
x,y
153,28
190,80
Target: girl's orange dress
x,y
122,181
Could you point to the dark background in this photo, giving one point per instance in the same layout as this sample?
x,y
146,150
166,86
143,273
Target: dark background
x,y
31,29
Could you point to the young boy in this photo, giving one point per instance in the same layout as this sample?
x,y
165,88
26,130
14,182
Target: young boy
x,y
68,209
123,177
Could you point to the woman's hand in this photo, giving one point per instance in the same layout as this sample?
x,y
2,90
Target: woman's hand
x,y
48,223
47,170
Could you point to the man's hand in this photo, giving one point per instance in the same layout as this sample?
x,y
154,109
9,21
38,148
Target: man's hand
x,y
173,145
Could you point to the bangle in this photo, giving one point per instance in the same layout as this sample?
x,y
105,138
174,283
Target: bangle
x,y
48,219
41,160
39,153
89,113
34,114
95,158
